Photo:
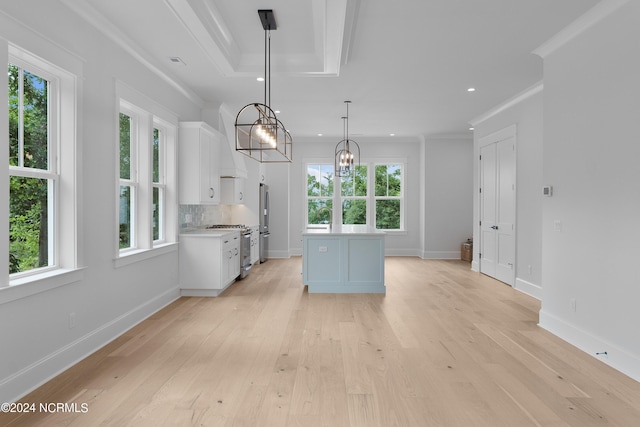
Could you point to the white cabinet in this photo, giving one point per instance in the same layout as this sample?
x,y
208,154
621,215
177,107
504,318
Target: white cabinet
x,y
232,191
209,262
255,242
199,152
231,257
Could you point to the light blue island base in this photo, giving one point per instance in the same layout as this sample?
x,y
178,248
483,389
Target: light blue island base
x,y
347,259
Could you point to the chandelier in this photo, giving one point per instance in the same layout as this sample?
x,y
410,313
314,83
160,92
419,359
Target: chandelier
x,y
346,159
259,133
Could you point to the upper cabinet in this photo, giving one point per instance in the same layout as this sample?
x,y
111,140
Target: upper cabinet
x,y
199,153
233,192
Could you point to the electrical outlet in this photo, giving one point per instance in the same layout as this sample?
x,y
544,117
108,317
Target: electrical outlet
x,y
72,320
557,225
572,303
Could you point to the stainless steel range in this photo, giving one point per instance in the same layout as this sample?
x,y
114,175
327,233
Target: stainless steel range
x,y
245,245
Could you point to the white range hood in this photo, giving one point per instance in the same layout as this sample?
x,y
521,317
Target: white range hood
x,y
232,163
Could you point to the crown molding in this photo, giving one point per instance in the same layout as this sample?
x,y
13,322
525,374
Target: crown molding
x,y
98,21
594,15
449,136
511,102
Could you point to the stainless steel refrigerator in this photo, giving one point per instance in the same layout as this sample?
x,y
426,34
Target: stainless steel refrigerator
x,y
264,222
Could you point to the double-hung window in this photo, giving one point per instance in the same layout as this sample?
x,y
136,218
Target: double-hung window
x,y
39,218
319,193
128,180
388,196
146,163
33,175
158,183
373,195
353,189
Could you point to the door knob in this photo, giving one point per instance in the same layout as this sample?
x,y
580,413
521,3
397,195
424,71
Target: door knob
x,y
495,227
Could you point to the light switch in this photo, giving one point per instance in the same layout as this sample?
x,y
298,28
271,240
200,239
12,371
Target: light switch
x,y
322,249
557,225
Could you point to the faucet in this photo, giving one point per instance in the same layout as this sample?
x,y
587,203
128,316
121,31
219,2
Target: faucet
x,y
330,214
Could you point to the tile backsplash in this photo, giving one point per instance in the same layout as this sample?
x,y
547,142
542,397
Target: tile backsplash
x,y
195,216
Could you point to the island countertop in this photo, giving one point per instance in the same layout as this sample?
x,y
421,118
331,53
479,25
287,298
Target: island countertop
x,y
340,230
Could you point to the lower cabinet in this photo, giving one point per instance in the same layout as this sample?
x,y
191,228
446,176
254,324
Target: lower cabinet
x,y
255,245
343,262
209,263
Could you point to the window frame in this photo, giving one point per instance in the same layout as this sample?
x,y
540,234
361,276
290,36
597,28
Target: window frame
x,y
132,182
370,198
401,197
148,116
64,72
329,198
51,174
366,197
161,184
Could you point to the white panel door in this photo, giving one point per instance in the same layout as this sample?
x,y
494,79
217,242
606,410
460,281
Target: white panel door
x,y
498,209
506,209
488,214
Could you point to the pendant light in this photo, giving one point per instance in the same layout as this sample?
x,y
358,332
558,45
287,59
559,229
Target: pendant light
x,y
259,133
346,156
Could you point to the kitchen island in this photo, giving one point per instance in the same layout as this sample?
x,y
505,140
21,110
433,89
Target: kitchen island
x,y
343,259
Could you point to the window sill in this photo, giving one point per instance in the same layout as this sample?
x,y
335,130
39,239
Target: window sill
x,y
131,257
396,232
34,284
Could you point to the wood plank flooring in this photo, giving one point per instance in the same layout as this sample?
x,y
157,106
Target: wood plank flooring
x,y
444,347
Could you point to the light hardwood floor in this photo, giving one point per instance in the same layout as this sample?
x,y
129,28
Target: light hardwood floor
x,y
444,347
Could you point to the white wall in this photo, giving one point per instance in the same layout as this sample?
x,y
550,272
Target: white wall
x,y
591,157
37,341
278,177
448,196
525,111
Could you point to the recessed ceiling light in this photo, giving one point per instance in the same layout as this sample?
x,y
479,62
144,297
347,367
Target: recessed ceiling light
x,y
277,111
471,128
471,89
177,60
319,134
392,134
260,79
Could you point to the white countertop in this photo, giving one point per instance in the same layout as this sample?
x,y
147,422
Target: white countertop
x,y
209,232
339,230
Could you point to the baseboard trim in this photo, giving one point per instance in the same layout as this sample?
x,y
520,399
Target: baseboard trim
x,y
529,288
279,254
616,357
441,255
33,376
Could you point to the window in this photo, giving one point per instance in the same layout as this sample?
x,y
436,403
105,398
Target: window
x,y
128,183
365,198
158,183
39,203
146,184
32,176
353,190
388,197
319,193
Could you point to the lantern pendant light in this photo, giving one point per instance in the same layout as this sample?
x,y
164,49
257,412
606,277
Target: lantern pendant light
x,y
347,152
259,133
